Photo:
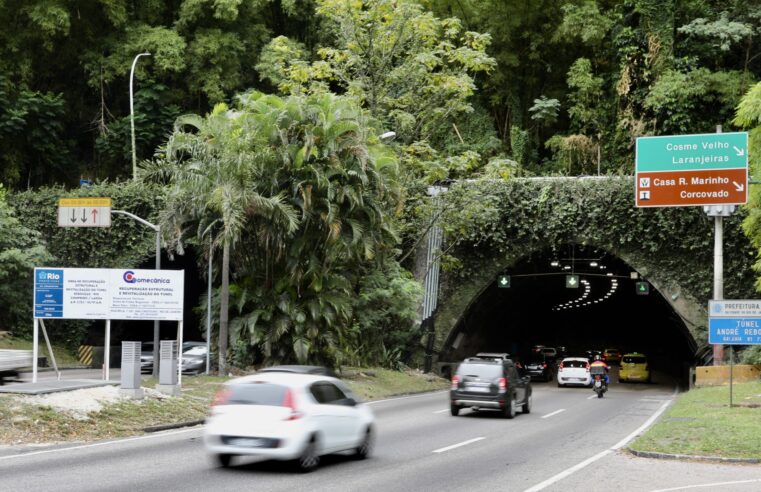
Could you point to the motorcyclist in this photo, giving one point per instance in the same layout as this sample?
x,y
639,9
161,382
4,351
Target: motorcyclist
x,y
598,362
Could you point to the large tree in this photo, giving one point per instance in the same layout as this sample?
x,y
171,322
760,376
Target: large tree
x,y
299,193
214,194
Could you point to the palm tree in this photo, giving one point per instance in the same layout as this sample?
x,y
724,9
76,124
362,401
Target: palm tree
x,y
213,192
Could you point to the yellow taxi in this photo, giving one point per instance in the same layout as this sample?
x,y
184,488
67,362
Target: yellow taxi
x,y
634,367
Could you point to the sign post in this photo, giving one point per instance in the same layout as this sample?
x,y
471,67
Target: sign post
x,y
708,169
734,322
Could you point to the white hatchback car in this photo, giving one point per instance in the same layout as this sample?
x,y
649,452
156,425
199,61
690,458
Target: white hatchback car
x,y
574,370
287,416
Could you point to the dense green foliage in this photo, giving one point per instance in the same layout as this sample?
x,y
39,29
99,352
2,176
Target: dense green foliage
x,y
20,251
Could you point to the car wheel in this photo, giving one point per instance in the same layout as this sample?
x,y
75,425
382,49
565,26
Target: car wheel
x,y
454,410
224,460
310,458
509,411
527,404
366,446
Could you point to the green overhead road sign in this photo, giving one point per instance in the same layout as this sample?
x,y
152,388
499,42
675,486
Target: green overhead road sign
x,y
643,288
503,281
692,152
572,281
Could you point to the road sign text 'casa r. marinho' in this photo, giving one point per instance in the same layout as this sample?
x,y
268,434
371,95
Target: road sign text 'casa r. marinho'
x,y
692,170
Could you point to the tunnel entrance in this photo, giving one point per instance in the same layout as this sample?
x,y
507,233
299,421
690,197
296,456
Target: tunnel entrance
x,y
580,298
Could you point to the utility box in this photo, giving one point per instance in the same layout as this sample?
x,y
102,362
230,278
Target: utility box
x,y
168,362
130,371
168,368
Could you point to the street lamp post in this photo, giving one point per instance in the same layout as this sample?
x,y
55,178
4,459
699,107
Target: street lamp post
x,y
156,228
132,113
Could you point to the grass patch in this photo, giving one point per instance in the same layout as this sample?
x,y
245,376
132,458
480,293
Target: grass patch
x,y
63,356
22,422
700,423
376,384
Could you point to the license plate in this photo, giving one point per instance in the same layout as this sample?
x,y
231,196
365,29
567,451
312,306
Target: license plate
x,y
248,442
478,389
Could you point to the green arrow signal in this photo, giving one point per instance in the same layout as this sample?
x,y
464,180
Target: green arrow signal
x,y
503,281
572,281
643,288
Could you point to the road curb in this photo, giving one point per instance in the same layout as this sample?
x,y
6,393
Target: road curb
x,y
687,457
179,425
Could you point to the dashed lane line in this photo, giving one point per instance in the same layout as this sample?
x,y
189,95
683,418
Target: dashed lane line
x,y
553,413
460,444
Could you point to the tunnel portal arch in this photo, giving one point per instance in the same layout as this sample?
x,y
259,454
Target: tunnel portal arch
x,y
492,226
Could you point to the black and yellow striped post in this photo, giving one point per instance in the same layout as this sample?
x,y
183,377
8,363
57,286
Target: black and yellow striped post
x,y
85,353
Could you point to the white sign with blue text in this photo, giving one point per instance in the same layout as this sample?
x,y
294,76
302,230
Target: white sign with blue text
x,y
734,322
102,293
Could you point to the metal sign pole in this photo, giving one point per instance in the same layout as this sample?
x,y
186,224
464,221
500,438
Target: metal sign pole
x,y
35,343
731,367
179,354
50,349
107,351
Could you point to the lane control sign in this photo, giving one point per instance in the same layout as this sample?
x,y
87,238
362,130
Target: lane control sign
x,y
503,281
84,212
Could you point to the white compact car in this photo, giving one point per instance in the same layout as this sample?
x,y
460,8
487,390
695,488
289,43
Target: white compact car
x,y
574,371
287,416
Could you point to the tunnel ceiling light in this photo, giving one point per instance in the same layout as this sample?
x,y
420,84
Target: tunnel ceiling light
x,y
593,263
555,263
609,274
567,267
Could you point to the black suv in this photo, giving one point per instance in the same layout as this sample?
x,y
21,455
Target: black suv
x,y
490,381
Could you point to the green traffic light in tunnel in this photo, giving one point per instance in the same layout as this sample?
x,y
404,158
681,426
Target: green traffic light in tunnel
x,y
503,281
572,281
643,288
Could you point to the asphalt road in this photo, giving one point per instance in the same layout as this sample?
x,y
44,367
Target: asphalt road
x,y
420,447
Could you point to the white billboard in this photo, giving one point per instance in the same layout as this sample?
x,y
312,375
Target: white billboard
x,y
102,293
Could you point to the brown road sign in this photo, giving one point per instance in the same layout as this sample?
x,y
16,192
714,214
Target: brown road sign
x,y
692,187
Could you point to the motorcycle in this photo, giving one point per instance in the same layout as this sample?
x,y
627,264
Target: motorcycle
x,y
599,385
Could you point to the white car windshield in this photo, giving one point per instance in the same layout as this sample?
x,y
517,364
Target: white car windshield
x,y
200,350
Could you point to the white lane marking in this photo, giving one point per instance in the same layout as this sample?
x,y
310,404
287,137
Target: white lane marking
x,y
715,484
98,444
553,413
623,442
441,411
588,461
568,472
592,396
405,397
464,443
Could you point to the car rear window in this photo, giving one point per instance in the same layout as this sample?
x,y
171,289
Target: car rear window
x,y
635,359
483,371
575,363
257,394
